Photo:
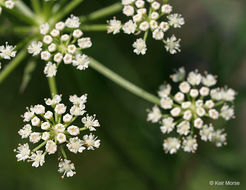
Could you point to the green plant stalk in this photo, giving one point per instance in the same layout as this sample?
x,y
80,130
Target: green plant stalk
x,y
36,6
101,13
24,9
63,12
39,146
52,86
123,82
94,27
13,64
63,152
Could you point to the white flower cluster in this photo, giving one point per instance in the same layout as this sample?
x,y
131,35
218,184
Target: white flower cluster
x,y
148,16
7,52
6,3
54,131
189,112
59,46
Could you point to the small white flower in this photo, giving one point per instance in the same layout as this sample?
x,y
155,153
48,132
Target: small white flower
x,y
75,145
68,58
166,9
129,27
167,125
38,109
50,70
23,152
164,26
48,115
77,110
9,4
179,75
25,131
184,87
172,45
61,138
37,158
73,130
171,145
71,49
198,123
176,20
65,37
35,121
60,25
60,109
207,133
81,62
166,103
138,17
7,51
144,26
155,5
28,116
91,142
139,3
78,100
209,80
140,46
45,136
219,138
58,57
187,115
158,34
47,39
35,137
45,55
186,105
72,22
183,128
153,24
190,144
50,147
227,112
194,78
85,43
209,104
90,122
114,26
52,47
200,111
35,48
154,115
154,15
77,33
60,128
194,93
213,113
204,91
175,112
55,33
128,10
67,118
179,96
44,28
66,167
164,90
55,100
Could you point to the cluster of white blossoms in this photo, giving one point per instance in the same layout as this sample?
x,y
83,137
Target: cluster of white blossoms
x,y
148,16
7,52
6,3
55,130
189,112
64,43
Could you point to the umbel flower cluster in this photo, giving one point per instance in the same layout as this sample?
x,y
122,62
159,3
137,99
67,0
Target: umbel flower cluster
x,y
53,130
6,52
189,112
64,43
9,4
148,16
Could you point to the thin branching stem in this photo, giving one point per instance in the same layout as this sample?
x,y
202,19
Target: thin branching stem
x,y
123,82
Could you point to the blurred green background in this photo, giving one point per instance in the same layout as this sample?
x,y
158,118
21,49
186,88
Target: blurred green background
x,y
131,155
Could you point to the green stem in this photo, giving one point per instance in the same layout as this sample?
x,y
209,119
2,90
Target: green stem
x,y
24,9
94,27
36,6
123,82
83,128
52,86
13,64
67,9
39,146
63,152
104,12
